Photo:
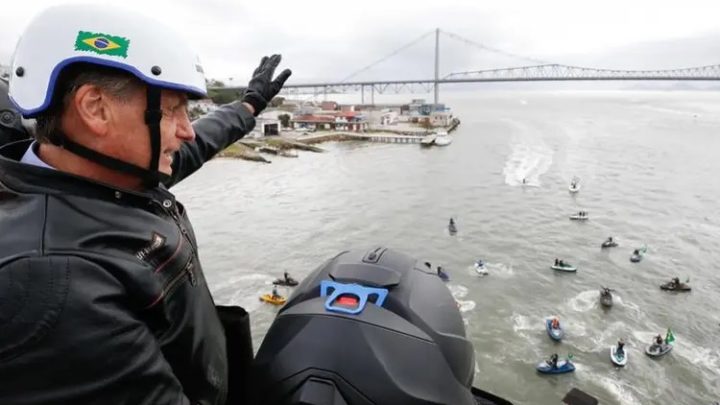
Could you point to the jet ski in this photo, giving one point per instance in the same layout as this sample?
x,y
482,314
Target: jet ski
x,y
275,300
636,257
606,298
442,274
562,367
481,268
618,359
565,267
290,282
579,217
574,185
608,244
679,287
555,334
656,350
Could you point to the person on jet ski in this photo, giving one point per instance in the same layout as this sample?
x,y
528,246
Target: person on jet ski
x,y
675,282
609,239
452,222
287,277
555,323
553,360
636,252
275,293
620,348
524,181
658,340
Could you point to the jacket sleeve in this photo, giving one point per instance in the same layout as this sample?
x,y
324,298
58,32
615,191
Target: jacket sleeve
x,y
213,133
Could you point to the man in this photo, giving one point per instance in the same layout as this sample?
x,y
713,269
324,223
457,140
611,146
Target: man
x,y
103,297
11,128
620,348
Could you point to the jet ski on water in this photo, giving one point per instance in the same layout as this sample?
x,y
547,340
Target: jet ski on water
x,y
481,268
555,366
452,228
660,347
442,274
361,306
273,298
606,298
609,243
580,216
286,281
574,185
562,266
618,354
638,254
676,285
554,329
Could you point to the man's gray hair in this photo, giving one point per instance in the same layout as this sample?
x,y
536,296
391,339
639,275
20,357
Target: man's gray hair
x,y
119,84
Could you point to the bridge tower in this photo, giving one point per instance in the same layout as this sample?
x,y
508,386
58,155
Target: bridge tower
x,y
437,64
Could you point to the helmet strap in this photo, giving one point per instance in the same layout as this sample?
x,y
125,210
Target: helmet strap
x,y
150,176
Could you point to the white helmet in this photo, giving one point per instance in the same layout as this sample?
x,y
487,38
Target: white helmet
x,y
102,35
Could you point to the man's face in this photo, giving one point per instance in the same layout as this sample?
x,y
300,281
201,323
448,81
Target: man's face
x,y
132,136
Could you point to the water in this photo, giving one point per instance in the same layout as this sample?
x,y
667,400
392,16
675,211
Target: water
x,y
648,163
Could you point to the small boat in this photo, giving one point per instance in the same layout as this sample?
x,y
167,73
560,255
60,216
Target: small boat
x,y
555,334
606,298
563,366
565,267
481,268
580,216
273,299
442,138
618,359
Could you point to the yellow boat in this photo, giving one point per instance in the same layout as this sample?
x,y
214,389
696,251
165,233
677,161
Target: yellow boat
x,y
277,300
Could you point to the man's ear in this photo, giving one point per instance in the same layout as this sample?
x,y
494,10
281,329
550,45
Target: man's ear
x,y
91,105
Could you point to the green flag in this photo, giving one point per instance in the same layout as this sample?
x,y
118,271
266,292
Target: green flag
x,y
102,44
669,337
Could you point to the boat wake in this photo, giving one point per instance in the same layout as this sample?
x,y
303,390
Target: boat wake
x,y
529,162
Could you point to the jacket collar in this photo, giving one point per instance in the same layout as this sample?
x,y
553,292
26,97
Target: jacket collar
x,y
29,179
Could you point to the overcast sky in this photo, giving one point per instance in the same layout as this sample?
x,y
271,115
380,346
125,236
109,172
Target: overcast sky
x,y
329,40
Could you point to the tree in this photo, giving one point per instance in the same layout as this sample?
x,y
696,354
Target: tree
x,y
195,112
220,97
284,120
277,101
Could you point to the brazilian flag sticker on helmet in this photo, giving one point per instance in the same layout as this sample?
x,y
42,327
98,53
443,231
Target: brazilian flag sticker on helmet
x,y
102,44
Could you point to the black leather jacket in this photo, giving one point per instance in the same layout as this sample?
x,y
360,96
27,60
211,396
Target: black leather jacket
x,y
102,296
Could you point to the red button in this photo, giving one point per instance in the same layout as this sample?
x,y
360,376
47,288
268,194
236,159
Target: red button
x,y
347,301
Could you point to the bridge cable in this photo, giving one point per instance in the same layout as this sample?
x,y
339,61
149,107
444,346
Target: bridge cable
x,y
494,50
388,56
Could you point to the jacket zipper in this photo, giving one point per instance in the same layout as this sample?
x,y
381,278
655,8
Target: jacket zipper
x,y
186,271
178,222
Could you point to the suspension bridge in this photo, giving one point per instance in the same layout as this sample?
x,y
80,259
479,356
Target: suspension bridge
x,y
534,70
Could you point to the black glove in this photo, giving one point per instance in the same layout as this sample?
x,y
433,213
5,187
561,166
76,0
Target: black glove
x,y
262,88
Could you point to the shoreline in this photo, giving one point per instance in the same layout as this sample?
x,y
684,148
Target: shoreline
x,y
251,149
